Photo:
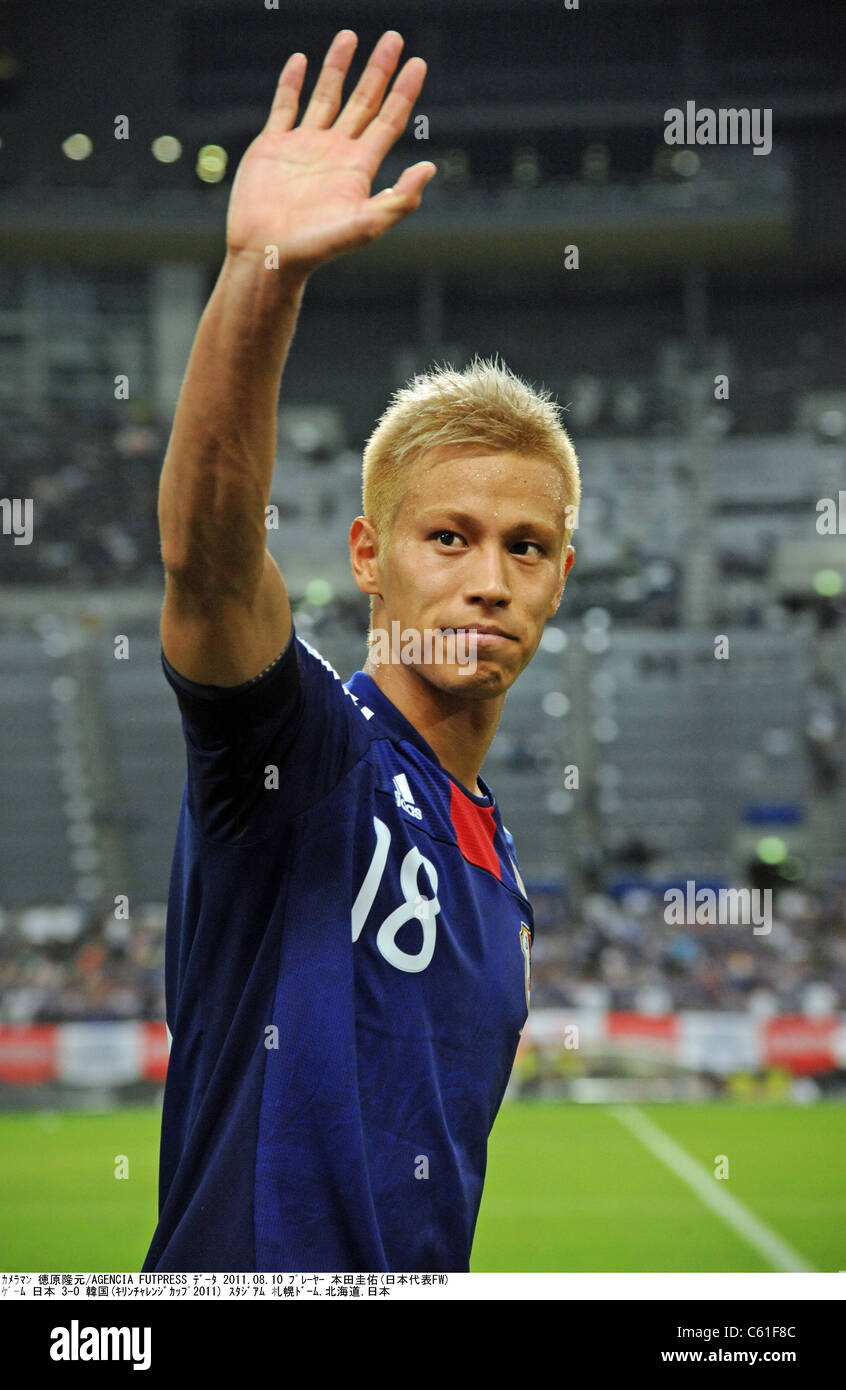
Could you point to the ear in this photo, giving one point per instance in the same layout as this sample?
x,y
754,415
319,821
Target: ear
x,y
364,555
568,565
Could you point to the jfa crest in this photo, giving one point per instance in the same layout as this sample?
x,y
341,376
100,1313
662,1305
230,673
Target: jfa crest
x,y
526,948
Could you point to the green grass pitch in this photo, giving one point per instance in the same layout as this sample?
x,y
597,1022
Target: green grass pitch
x,y
568,1188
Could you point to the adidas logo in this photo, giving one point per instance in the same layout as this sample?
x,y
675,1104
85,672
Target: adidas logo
x,y
404,798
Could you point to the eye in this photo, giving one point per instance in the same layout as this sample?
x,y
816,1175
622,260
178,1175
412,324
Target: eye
x,y
445,537
539,548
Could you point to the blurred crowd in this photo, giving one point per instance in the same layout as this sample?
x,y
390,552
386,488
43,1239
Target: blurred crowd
x,y
618,953
93,479
74,964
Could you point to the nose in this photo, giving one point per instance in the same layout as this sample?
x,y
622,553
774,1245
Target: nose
x,y
488,581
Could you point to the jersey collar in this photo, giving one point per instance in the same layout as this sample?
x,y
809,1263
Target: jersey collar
x,y
368,693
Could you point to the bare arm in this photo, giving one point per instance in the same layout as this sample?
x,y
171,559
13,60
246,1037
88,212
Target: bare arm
x,y
304,190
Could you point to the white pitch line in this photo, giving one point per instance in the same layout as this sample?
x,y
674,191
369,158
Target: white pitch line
x,y
711,1191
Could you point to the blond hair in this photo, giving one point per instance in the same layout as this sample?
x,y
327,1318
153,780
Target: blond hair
x,y
484,405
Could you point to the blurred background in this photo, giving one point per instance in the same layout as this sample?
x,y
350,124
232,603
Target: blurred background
x,y
684,717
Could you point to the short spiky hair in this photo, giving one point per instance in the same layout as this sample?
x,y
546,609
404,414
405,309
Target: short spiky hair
x,y
485,405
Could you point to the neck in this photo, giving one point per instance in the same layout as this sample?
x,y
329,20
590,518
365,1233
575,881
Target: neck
x,y
458,730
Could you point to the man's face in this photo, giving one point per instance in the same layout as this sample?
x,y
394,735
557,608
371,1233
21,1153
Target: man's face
x,y
476,544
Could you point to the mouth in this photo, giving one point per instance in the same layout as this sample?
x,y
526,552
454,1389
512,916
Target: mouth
x,y
482,634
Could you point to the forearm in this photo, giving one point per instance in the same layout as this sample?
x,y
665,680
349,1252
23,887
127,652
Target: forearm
x,y
217,472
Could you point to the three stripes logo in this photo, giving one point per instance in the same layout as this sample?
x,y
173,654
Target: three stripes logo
x,y
403,796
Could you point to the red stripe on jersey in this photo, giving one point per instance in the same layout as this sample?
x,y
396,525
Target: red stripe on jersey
x,y
474,828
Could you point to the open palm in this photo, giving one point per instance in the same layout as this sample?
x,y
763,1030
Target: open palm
x,y
306,189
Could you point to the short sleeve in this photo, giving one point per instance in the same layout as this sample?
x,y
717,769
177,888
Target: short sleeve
x,y
261,753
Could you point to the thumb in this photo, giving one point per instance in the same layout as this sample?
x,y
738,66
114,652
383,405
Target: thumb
x,y
410,184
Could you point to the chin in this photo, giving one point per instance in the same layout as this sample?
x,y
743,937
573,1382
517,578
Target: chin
x,y
488,679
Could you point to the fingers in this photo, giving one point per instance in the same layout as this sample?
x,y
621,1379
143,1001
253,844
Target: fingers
x,y
366,98
283,112
326,97
387,126
367,113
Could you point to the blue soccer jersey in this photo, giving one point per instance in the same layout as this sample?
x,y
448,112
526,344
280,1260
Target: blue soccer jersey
x,y
348,965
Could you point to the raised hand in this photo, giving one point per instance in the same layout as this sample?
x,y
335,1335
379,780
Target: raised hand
x,y
305,188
